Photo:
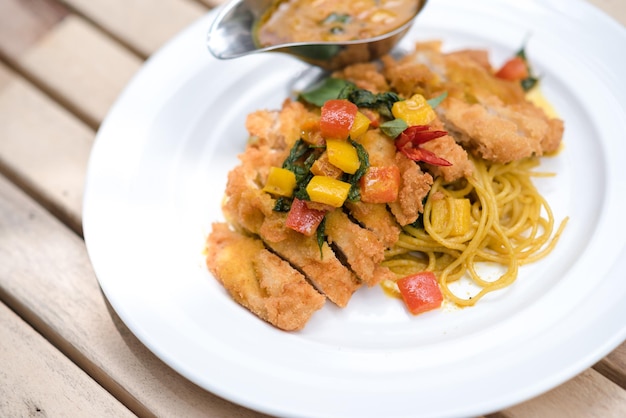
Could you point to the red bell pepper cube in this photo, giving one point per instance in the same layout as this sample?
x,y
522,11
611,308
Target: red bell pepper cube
x,y
304,219
380,184
337,118
420,292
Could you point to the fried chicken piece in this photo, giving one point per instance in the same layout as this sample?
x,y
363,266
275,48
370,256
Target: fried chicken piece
x,y
366,76
446,147
320,266
259,280
361,248
414,187
502,133
277,129
377,218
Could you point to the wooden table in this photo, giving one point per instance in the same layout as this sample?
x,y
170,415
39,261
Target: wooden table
x,y
63,350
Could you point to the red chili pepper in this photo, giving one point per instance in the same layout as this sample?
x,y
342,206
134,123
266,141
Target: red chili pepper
x,y
409,141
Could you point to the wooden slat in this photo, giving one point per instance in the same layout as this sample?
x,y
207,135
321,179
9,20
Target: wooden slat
x,y
23,23
80,66
613,366
588,395
36,380
44,148
46,277
614,8
144,25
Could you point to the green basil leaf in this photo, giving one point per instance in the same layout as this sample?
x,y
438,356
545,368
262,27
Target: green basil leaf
x,y
436,101
327,89
393,128
321,236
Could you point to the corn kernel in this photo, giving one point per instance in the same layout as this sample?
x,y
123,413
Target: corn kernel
x,y
359,126
451,213
343,155
414,111
328,190
280,182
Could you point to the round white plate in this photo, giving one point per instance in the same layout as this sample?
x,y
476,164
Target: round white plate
x,y
155,183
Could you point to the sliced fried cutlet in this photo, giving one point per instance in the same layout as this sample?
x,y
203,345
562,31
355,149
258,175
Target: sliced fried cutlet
x,y
377,218
323,269
414,187
498,132
361,248
259,280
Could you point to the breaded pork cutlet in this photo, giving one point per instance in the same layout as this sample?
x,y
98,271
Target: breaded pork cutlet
x,y
487,115
321,266
261,281
361,248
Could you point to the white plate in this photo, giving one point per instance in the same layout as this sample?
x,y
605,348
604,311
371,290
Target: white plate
x,y
155,182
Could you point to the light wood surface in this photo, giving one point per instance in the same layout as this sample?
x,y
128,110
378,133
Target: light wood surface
x,y
63,350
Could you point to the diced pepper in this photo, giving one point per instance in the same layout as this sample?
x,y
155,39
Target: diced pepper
x,y
360,125
280,181
304,219
414,111
515,69
456,212
323,167
420,292
328,190
343,155
380,184
337,118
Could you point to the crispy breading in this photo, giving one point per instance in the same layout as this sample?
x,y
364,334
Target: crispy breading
x,y
261,281
414,187
377,218
320,266
502,133
277,129
446,147
361,248
365,76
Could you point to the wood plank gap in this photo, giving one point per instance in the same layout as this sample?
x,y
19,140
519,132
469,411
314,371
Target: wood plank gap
x,y
64,216
50,93
104,30
612,371
74,355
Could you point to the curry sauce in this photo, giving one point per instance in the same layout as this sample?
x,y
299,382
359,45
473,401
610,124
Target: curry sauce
x,y
291,21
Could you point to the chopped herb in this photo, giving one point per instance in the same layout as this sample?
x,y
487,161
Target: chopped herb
x,y
436,101
393,128
327,89
337,88
297,151
383,102
337,18
283,204
354,194
321,236
531,81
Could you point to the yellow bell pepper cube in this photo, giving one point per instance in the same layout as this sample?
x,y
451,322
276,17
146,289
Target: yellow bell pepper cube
x,y
414,111
280,181
327,190
453,213
343,155
360,125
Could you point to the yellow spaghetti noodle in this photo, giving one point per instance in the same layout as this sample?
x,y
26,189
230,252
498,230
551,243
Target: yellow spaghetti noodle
x,y
511,224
